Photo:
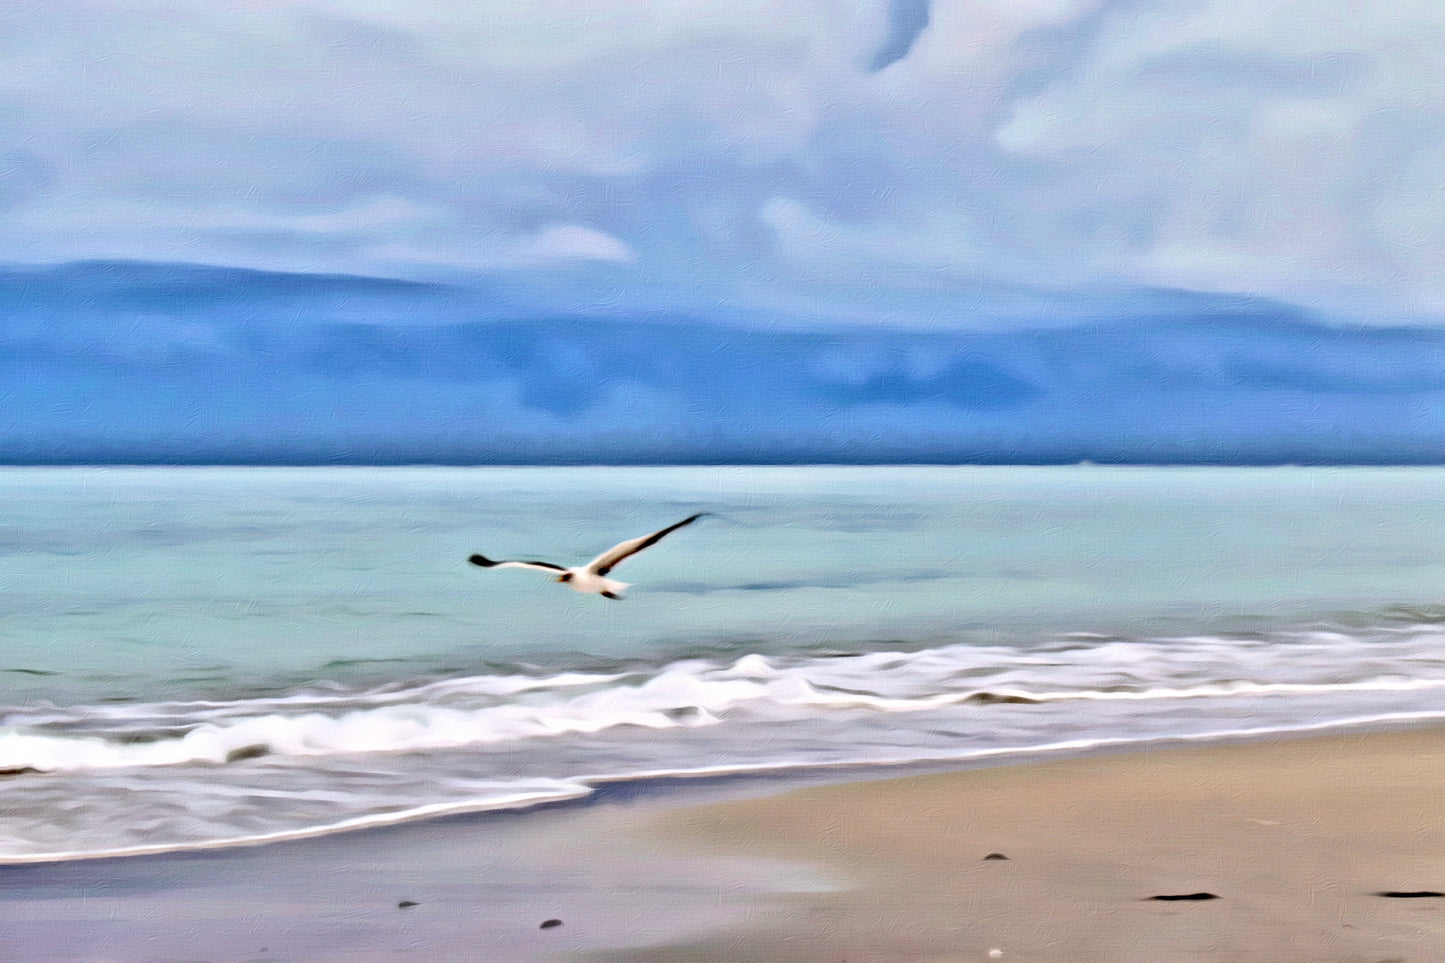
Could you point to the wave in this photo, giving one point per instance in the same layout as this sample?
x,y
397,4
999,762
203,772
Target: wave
x,y
509,798
130,778
512,798
521,709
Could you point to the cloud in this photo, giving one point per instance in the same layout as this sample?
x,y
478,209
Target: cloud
x,y
906,20
574,242
1282,148
1268,139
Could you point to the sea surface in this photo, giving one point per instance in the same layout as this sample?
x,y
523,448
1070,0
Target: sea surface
x,y
195,657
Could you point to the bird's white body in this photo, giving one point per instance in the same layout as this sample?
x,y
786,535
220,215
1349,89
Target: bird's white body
x,y
581,579
592,577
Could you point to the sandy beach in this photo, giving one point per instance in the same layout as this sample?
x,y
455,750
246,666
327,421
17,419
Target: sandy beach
x,y
1295,837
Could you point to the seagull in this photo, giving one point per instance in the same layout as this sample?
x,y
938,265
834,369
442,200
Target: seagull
x,y
592,576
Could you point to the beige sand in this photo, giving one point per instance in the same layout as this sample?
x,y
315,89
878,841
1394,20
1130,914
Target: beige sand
x,y
1295,836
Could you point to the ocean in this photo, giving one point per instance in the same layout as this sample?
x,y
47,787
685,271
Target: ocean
x,y
199,657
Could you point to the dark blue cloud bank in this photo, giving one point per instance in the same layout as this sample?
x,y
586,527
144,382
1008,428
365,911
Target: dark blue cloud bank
x,y
108,362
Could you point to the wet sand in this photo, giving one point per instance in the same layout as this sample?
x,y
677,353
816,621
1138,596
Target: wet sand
x,y
1294,837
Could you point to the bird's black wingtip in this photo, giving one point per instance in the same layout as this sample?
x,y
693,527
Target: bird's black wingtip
x,y
481,560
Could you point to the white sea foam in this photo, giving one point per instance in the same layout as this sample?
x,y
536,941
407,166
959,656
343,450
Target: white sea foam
x,y
204,835
755,689
505,797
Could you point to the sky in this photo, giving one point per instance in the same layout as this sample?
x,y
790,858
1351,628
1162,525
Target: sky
x,y
840,158
761,230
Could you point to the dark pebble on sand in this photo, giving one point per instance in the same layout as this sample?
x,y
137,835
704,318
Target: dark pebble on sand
x,y
1173,897
995,856
407,903
548,924
1410,894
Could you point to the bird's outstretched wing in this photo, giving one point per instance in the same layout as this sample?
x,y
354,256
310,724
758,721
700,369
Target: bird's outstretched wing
x,y
605,562
485,562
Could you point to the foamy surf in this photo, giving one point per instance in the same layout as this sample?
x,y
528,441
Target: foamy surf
x,y
514,708
516,799
513,799
154,777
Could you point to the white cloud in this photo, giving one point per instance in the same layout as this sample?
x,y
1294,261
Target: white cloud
x,y
467,250
567,242
1273,146
938,240
1271,138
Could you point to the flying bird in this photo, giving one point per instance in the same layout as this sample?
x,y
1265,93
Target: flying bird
x,y
592,577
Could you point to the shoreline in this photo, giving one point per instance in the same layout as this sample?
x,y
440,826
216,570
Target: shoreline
x,y
720,783
885,865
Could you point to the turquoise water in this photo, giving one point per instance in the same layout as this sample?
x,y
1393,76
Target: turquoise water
x,y
201,655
